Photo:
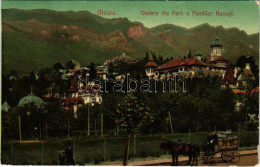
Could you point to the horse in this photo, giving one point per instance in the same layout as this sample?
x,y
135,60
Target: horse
x,y
175,149
192,150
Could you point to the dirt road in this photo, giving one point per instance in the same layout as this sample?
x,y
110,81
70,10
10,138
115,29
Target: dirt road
x,y
247,160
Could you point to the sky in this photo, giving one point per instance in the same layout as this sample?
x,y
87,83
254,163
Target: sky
x,y
246,13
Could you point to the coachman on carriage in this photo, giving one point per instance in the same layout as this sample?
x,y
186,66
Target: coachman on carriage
x,y
225,143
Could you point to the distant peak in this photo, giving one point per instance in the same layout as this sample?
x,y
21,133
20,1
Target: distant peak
x,y
202,26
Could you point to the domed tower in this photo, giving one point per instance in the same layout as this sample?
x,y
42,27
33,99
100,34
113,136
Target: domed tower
x,y
198,55
215,49
149,67
31,98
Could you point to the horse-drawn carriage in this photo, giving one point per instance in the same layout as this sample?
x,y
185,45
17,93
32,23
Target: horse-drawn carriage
x,y
225,143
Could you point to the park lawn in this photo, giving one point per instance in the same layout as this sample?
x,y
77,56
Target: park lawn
x,y
94,150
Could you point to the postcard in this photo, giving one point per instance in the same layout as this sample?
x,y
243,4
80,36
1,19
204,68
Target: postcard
x,y
138,83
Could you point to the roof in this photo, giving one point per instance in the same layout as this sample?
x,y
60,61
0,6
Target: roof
x,y
151,58
63,71
194,62
74,84
74,87
90,87
135,61
237,91
31,98
182,62
218,66
221,59
5,106
100,72
248,74
229,77
216,43
73,101
151,62
72,70
198,53
253,91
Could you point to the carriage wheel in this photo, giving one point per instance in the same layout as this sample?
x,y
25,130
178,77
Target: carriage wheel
x,y
227,156
205,159
236,157
208,159
211,159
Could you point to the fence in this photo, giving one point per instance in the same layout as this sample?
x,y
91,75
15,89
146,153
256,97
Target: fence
x,y
93,150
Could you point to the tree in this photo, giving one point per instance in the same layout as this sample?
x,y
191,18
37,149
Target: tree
x,y
70,65
160,60
12,75
10,124
31,117
5,87
131,115
92,72
146,58
110,68
248,99
32,78
58,66
58,119
189,55
167,59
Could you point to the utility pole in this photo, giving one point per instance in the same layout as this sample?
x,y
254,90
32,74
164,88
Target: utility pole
x,y
92,104
134,145
170,119
46,130
42,152
189,136
105,149
101,126
88,122
74,145
20,128
68,129
117,130
11,153
95,127
40,130
239,138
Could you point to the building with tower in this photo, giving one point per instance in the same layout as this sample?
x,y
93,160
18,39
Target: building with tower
x,y
215,65
236,78
215,52
150,68
81,93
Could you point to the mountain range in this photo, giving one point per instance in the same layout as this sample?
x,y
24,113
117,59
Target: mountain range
x,y
39,38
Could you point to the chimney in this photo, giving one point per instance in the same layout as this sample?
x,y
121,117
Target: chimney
x,y
248,66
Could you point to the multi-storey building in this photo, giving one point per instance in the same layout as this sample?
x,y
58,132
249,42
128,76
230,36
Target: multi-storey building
x,y
215,65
